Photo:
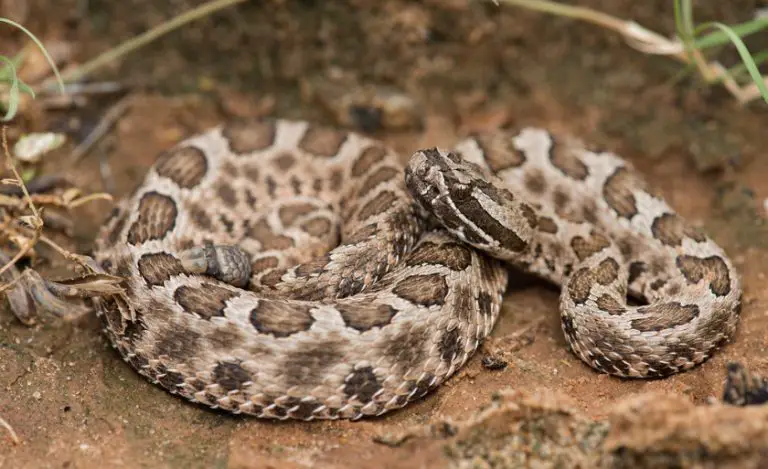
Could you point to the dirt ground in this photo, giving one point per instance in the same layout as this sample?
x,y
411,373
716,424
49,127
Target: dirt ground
x,y
471,66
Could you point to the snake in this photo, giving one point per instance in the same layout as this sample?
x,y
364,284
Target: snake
x,y
285,269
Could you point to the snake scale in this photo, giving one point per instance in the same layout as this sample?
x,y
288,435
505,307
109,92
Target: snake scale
x,y
288,270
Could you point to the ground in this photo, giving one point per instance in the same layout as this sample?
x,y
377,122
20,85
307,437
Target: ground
x,y
471,66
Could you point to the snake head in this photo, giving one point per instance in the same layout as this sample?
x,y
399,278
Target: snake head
x,y
471,204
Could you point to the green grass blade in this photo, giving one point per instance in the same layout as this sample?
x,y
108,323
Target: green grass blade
x,y
13,91
24,88
684,25
686,19
6,72
742,30
746,57
739,70
42,48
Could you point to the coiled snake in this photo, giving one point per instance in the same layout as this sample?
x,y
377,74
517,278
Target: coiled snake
x,y
288,270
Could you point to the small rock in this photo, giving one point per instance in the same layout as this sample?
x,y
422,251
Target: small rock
x,y
367,108
493,363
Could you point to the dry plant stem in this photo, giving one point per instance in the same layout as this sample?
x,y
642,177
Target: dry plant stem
x,y
107,122
581,13
143,39
648,42
14,436
36,214
76,258
16,174
89,198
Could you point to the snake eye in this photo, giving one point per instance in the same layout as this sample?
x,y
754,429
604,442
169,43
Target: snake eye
x,y
460,193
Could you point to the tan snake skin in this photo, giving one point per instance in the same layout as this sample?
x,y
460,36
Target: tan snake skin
x,y
284,270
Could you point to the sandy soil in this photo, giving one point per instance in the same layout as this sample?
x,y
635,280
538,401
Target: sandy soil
x,y
470,66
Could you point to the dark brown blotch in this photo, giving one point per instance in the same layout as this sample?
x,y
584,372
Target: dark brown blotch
x,y
157,217
316,226
261,232
409,348
179,344
250,198
252,173
535,182
289,213
246,136
296,185
313,267
561,200
452,255
273,278
322,141
663,316
367,159
582,280
229,170
231,376
379,176
366,316
586,247
379,204
281,318
580,285
618,189
499,151
547,225
284,161
308,364
302,409
564,157
362,234
362,384
464,304
185,166
425,290
335,180
636,269
207,300
226,193
227,336
449,345
671,229
606,272
263,264
530,215
486,303
199,217
610,305
713,269
228,223
156,268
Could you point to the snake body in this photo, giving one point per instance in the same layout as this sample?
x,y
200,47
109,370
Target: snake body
x,y
288,270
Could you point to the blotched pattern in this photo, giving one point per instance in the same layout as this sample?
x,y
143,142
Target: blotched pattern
x,y
351,306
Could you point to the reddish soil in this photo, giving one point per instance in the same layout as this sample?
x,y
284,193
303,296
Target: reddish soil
x,y
472,66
